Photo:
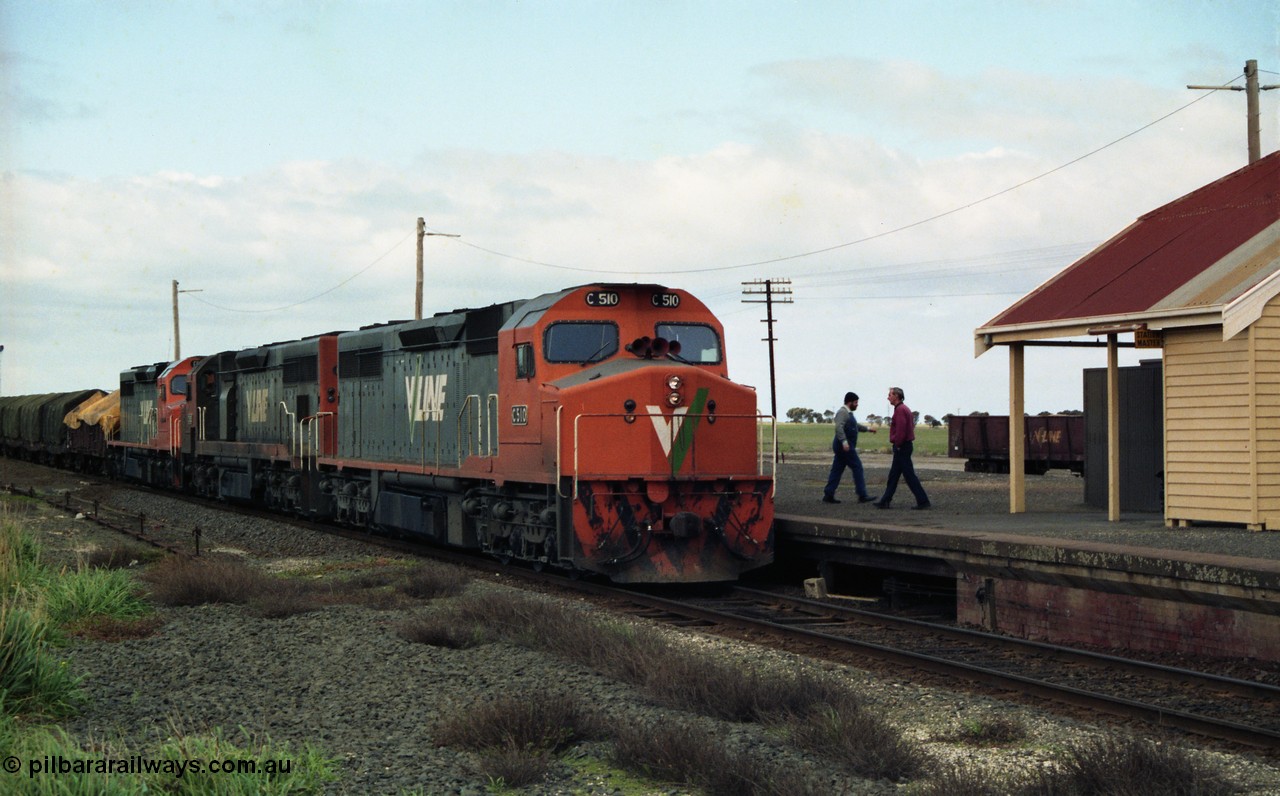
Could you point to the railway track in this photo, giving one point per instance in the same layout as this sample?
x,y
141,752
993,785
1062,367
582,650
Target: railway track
x,y
1200,703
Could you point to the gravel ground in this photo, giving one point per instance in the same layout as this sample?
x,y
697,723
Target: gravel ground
x,y
342,679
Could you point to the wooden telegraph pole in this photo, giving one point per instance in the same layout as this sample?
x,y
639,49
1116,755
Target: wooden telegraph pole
x,y
177,340
417,293
773,290
1251,89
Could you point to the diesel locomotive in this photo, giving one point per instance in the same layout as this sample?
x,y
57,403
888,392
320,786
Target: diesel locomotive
x,y
593,429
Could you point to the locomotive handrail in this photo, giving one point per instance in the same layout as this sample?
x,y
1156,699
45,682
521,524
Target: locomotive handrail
x,y
773,458
478,441
316,426
576,436
559,457
175,437
491,423
294,451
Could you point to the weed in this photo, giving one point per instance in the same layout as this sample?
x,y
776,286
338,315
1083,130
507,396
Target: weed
x,y
1122,764
109,629
76,596
862,741
120,556
686,753
181,581
990,730
434,580
516,738
30,679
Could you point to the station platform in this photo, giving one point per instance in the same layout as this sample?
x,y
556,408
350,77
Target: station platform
x,y
1060,572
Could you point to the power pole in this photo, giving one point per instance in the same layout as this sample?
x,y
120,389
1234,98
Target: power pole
x,y
778,290
417,293
177,340
1251,89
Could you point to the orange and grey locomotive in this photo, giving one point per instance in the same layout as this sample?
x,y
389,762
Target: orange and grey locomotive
x,y
594,429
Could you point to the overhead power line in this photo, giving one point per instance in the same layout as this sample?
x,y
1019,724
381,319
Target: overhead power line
x,y
351,278
857,241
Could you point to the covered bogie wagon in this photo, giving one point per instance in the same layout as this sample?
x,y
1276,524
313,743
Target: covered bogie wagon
x,y
32,427
90,426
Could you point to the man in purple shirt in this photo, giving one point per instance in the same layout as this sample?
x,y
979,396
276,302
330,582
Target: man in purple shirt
x,y
902,433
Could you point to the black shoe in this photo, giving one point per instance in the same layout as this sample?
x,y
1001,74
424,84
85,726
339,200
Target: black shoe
x,y
829,499
880,505
865,499
922,506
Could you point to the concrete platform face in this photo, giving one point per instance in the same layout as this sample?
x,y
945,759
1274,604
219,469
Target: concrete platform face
x,y
1061,571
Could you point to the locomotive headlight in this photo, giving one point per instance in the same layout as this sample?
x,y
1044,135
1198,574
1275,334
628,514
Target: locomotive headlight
x,y
674,382
629,406
711,411
673,399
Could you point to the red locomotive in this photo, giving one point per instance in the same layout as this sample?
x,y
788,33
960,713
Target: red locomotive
x,y
594,429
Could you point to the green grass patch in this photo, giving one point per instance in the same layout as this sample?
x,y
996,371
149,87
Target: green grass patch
x,y
53,763
88,593
31,678
816,438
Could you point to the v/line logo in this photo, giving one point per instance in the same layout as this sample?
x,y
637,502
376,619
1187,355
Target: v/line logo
x,y
676,435
425,397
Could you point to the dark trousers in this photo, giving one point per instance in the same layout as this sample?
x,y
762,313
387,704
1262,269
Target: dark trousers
x,y
840,461
902,466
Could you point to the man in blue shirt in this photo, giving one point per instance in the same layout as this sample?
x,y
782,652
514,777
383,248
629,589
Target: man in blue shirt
x,y
845,448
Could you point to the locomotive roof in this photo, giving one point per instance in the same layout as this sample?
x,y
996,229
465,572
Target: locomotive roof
x,y
530,311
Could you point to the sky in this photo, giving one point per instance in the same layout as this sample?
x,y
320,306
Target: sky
x,y
911,170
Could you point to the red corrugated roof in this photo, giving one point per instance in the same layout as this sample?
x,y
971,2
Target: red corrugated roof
x,y
1157,256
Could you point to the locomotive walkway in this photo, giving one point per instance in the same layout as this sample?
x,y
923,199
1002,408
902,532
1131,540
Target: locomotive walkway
x,y
1059,572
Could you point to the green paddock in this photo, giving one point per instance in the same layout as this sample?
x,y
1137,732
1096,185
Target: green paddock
x,y
816,438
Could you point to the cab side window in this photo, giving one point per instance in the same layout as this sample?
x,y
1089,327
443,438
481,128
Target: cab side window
x,y
524,361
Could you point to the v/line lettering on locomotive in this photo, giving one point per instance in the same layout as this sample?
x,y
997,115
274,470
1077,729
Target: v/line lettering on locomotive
x,y
259,403
426,397
573,481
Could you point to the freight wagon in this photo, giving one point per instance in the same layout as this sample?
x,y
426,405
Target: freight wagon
x,y
1052,442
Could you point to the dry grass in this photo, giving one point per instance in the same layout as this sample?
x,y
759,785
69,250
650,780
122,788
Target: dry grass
x,y
1109,765
110,628
183,581
820,714
516,738
990,730
687,753
120,556
1129,766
